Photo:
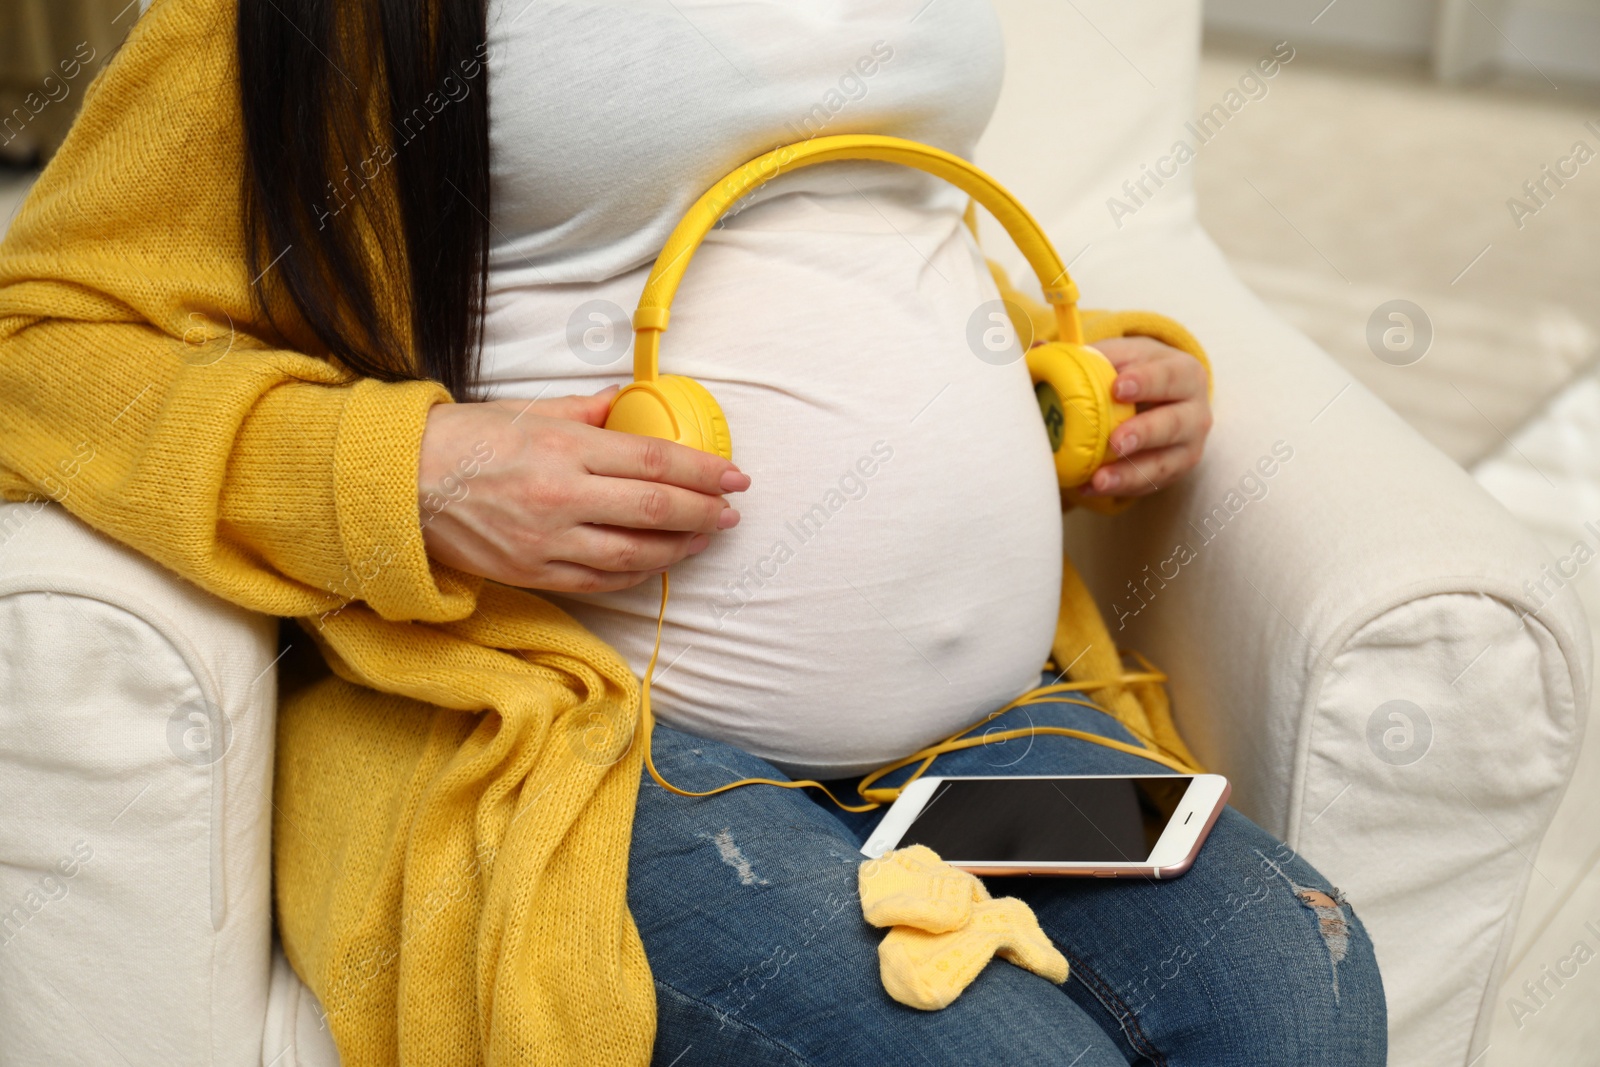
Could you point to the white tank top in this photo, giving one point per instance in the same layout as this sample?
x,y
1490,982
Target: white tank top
x,y
897,569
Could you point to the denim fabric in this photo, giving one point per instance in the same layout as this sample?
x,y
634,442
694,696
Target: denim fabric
x,y
748,908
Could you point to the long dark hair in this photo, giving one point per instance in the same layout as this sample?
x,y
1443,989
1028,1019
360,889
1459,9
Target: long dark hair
x,y
366,130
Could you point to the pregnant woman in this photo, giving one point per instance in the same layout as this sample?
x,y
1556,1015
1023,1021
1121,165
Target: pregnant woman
x,y
347,359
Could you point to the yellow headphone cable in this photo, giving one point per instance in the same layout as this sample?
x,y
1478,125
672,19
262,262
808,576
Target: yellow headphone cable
x,y
876,797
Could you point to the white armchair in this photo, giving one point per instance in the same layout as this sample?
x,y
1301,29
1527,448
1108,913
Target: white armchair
x,y
1336,564
1356,632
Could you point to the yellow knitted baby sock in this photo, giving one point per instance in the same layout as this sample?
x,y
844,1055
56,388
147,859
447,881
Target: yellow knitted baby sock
x,y
912,886
928,966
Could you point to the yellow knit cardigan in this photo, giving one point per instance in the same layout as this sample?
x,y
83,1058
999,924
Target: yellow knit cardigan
x,y
449,850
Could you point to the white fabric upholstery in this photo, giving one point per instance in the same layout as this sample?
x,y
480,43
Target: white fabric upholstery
x,y
1548,475
296,1033
1371,570
116,681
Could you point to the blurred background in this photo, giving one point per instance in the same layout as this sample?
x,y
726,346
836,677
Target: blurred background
x,y
1418,190
38,94
1446,154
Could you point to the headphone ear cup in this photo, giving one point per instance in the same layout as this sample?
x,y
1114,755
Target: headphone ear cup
x,y
696,405
675,408
1073,385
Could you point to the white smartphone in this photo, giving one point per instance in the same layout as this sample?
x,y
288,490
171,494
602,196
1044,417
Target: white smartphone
x,y
1102,826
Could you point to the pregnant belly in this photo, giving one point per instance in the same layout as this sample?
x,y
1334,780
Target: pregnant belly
x,y
896,571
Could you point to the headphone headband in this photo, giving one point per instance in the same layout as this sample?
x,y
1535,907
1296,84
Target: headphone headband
x,y
650,319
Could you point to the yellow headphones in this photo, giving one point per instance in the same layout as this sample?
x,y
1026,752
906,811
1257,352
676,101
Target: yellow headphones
x,y
1071,380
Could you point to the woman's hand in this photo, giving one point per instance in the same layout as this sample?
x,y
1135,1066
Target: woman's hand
x,y
539,495
1163,441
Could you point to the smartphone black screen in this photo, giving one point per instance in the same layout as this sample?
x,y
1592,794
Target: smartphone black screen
x,y
1066,820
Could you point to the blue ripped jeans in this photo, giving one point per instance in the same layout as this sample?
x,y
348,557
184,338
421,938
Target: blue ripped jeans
x,y
748,908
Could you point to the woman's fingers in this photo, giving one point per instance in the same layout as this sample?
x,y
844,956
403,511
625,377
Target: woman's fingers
x,y
1122,351
1167,375
651,459
654,506
615,550
1165,438
1149,371
647,483
1145,472
1165,424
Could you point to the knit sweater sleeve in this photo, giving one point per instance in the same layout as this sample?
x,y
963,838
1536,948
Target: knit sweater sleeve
x,y
140,390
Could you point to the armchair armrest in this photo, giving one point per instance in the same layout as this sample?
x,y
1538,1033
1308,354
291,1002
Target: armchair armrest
x,y
136,741
1367,644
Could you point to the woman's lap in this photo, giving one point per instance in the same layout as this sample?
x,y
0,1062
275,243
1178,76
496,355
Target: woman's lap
x,y
748,909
